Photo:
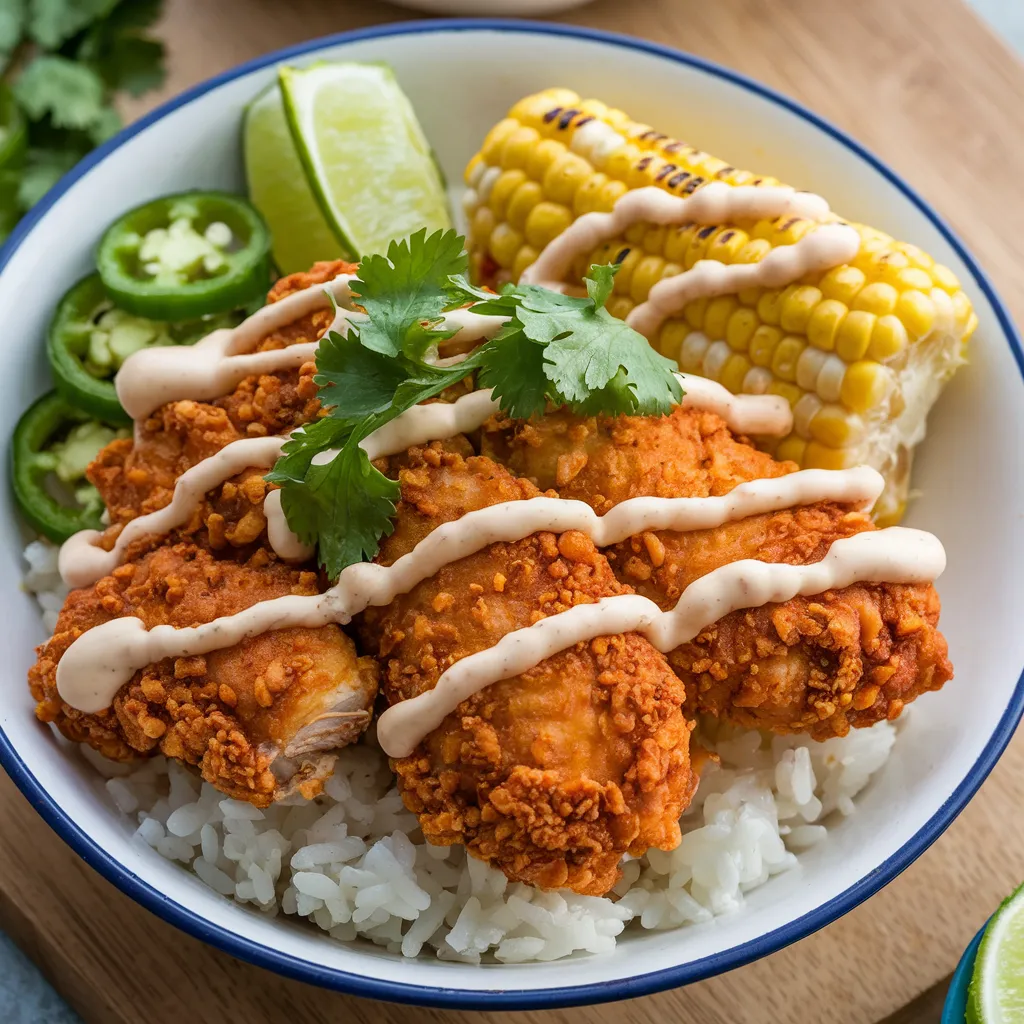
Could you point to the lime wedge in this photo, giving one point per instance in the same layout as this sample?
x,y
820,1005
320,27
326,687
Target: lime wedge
x,y
279,190
997,986
365,154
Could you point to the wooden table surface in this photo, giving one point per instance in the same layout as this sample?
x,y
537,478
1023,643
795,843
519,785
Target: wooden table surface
x,y
924,84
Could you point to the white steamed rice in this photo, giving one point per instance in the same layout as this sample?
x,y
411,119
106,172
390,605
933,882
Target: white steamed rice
x,y
354,863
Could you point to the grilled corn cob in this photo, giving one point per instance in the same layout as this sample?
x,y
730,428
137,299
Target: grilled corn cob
x,y
860,351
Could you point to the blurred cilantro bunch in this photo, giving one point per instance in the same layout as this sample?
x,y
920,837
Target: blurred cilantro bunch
x,y
62,63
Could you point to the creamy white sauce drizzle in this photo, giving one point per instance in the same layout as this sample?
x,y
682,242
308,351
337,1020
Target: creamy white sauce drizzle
x,y
283,541
90,685
894,555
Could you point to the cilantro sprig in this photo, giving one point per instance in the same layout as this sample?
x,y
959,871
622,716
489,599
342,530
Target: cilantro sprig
x,y
62,65
554,349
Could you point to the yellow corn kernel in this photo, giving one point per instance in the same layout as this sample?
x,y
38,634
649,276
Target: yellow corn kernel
x,y
535,106
491,150
523,200
609,194
677,240
695,312
546,221
715,358
945,278
824,324
653,240
717,316
564,176
790,392
620,163
763,230
471,167
769,307
763,344
888,266
483,225
727,244
888,339
913,277
842,284
785,357
962,310
877,298
504,187
627,264
790,230
865,385
740,328
620,306
671,338
753,251
797,306
819,456
670,270
635,234
646,274
505,245
917,312
836,427
791,449
518,146
854,335
544,154
734,372
526,256
588,194
691,352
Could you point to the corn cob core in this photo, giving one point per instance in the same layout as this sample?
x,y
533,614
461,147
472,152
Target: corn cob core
x,y
860,351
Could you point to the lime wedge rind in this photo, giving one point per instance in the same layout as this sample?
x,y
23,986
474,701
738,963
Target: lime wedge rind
x,y
996,994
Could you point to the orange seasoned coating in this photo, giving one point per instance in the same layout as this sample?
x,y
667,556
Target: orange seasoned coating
x,y
820,665
553,775
235,713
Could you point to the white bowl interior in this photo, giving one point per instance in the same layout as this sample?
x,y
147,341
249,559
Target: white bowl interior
x,y
461,83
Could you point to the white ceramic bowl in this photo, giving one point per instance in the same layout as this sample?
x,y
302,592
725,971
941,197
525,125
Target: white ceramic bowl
x,y
462,77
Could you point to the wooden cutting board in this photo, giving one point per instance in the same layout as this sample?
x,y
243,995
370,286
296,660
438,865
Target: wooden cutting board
x,y
926,86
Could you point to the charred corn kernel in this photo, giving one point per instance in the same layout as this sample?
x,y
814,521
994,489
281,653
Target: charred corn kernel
x,y
842,284
691,353
888,338
517,147
797,306
824,324
740,328
791,449
545,221
523,200
785,356
769,307
564,177
844,345
670,341
834,427
763,344
620,306
877,298
734,372
646,274
790,392
865,385
717,316
503,189
505,245
854,335
820,456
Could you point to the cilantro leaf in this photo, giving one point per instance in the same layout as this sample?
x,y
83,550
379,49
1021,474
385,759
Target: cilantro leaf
x,y
72,94
43,169
354,379
405,292
304,444
12,24
600,282
513,366
345,506
52,22
132,63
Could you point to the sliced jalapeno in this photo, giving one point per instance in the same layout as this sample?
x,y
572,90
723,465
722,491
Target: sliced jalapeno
x,y
53,444
89,338
186,256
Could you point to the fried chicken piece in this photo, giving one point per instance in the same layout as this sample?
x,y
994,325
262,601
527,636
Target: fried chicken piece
x,y
820,665
552,775
137,476
259,719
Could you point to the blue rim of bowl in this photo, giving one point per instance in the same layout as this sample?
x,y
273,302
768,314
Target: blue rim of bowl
x,y
518,999
954,1010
